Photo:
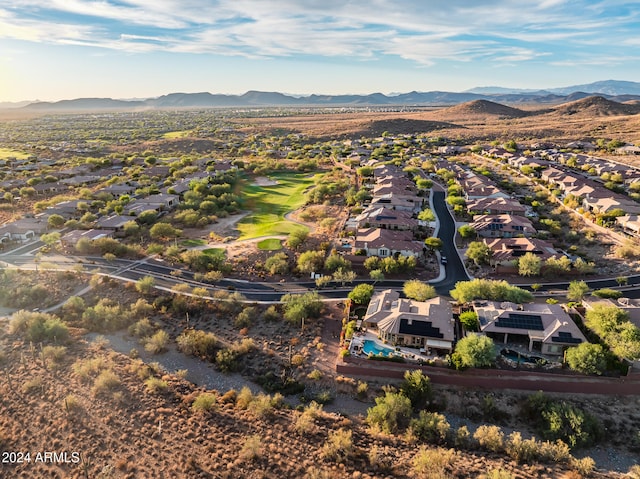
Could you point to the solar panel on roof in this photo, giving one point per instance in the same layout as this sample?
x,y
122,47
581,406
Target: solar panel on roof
x,y
419,328
565,337
521,321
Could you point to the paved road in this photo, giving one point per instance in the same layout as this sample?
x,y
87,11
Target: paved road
x,y
454,268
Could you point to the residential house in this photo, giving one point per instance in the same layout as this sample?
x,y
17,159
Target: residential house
x,y
542,327
611,203
427,324
72,237
505,251
496,206
502,226
384,243
386,218
630,224
114,223
391,201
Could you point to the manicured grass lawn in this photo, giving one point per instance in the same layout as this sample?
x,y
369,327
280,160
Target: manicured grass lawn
x,y
270,203
8,152
270,244
192,242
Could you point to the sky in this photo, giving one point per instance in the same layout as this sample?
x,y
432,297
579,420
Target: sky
x,y
62,49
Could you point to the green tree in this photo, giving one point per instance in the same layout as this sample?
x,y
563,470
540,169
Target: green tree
x,y
164,231
587,358
277,264
475,351
426,215
391,412
478,252
529,265
50,239
296,238
335,261
55,221
361,294
376,275
467,232
299,307
577,290
433,243
479,288
416,289
469,321
311,261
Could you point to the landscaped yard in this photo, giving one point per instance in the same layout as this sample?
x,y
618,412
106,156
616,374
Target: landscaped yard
x,y
269,205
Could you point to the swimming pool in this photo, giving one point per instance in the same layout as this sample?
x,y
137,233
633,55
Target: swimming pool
x,y
371,347
523,358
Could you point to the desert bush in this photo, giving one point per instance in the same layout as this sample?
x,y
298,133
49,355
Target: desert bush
x,y
430,427
271,314
264,405
54,353
107,381
157,343
417,387
391,412
142,328
244,319
252,448
229,397
71,404
432,463
141,308
362,389
204,402
37,327
227,360
463,437
156,385
521,450
634,472
245,397
561,420
297,360
197,343
33,386
87,368
316,375
339,446
584,466
490,438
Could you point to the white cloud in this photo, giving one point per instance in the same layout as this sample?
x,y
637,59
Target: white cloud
x,y
416,30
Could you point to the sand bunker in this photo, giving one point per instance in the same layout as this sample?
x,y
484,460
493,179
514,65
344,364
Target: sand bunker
x,y
264,181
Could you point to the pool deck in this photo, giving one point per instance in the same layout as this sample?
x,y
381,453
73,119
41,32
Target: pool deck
x,y
410,354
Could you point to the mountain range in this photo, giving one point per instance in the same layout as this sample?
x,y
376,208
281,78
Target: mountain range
x,y
619,91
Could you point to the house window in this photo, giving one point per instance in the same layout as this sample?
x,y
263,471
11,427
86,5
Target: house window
x,y
383,252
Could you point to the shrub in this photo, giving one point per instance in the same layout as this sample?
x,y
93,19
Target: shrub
x,y
587,358
37,327
339,446
263,405
197,343
584,466
54,353
204,402
226,360
155,385
463,437
33,386
71,404
87,368
490,438
607,293
475,351
497,474
106,382
252,448
521,450
245,397
432,463
244,319
142,328
157,343
430,427
316,375
391,412
417,387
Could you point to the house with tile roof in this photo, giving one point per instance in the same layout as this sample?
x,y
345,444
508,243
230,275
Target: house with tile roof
x,y
401,321
540,326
